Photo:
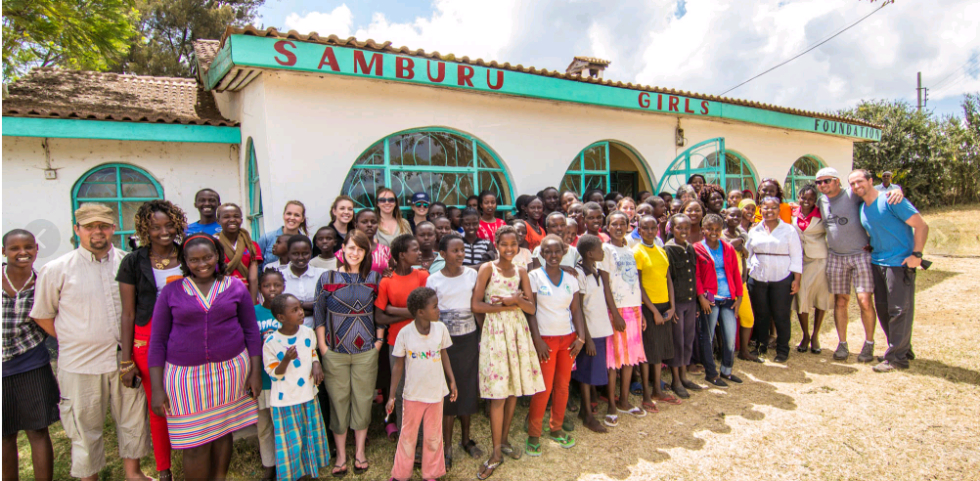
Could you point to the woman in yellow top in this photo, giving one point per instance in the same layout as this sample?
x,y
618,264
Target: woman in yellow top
x,y
769,187
657,292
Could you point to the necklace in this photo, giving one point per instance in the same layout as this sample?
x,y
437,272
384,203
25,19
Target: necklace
x,y
163,263
17,291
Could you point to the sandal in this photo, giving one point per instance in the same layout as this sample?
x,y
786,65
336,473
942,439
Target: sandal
x,y
472,449
488,467
650,407
635,411
392,432
339,473
514,453
670,400
565,440
364,466
611,420
803,346
533,450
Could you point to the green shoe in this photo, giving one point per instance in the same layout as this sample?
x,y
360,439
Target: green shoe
x,y
533,450
565,440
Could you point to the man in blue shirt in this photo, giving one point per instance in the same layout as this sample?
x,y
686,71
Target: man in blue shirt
x,y
898,234
206,201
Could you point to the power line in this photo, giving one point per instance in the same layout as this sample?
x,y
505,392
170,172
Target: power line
x,y
956,82
937,84
808,49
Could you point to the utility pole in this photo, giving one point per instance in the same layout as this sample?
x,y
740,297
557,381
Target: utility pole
x,y
923,93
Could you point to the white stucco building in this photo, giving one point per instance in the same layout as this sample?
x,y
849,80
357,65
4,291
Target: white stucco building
x,y
273,117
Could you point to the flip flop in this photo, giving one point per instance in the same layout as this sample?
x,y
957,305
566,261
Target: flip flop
x,y
488,467
531,449
670,400
360,470
514,453
637,412
650,407
611,420
341,473
566,441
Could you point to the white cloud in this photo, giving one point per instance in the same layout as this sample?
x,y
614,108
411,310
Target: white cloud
x,y
338,22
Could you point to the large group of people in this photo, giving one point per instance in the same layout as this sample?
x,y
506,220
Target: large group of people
x,y
436,313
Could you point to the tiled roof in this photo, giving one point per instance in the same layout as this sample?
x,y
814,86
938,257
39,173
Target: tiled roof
x,y
593,60
205,50
389,48
74,94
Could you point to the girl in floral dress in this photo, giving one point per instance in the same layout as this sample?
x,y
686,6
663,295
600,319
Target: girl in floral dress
x,y
509,364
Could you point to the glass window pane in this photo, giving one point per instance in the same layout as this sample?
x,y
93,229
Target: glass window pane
x,y
107,174
594,182
594,158
570,182
129,210
495,182
374,155
361,184
139,190
96,191
130,175
485,159
437,149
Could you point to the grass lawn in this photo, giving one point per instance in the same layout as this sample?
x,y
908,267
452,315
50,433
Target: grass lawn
x,y
812,418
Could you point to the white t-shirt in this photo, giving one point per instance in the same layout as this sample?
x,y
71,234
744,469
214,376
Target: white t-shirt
x,y
455,300
594,301
303,287
570,259
891,187
163,276
624,279
295,386
554,312
425,379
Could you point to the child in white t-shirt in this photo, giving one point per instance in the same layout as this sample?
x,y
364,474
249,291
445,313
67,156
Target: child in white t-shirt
x,y
420,355
290,359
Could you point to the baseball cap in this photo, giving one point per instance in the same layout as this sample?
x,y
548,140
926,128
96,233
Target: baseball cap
x,y
828,172
420,197
89,213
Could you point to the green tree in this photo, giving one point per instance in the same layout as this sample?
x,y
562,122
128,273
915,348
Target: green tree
x,y
934,159
168,28
78,34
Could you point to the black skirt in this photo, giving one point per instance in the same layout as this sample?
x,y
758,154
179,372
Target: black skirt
x,y
30,400
658,341
464,357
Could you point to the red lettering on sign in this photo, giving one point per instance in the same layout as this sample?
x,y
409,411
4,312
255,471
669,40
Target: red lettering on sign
x,y
687,106
464,74
280,47
500,80
328,58
660,102
441,71
365,67
404,68
672,103
644,100
704,107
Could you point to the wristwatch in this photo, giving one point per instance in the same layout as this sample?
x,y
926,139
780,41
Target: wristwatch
x,y
917,254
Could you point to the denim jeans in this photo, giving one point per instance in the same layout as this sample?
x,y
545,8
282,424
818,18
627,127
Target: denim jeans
x,y
724,310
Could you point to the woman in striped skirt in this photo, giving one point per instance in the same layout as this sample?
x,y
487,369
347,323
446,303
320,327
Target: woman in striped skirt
x,y
205,359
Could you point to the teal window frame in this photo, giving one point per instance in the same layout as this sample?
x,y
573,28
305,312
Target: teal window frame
x,y
581,172
797,176
698,160
368,160
255,212
121,235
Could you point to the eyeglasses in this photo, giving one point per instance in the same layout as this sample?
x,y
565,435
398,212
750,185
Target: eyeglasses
x,y
823,181
387,200
422,205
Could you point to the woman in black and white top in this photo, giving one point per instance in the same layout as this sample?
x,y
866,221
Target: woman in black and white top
x,y
775,266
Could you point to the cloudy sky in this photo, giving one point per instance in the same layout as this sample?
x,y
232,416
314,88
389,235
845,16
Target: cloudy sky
x,y
704,46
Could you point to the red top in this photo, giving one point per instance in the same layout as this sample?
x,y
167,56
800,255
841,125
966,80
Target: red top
x,y
394,290
803,221
250,254
705,277
488,229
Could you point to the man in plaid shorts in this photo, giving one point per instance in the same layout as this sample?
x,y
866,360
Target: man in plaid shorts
x,y
849,261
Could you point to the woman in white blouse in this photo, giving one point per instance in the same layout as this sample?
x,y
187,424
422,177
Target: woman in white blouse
x,y
775,267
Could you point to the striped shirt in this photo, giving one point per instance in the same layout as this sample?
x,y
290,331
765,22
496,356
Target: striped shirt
x,y
478,252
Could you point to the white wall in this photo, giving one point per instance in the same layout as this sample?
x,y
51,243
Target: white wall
x,y
309,129
180,168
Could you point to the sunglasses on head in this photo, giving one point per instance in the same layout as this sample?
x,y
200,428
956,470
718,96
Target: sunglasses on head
x,y
387,200
823,181
421,205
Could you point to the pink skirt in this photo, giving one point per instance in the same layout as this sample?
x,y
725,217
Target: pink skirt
x,y
626,348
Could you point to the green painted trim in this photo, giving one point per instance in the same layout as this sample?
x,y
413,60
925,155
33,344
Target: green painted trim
x,y
789,184
219,67
118,199
255,208
282,54
112,130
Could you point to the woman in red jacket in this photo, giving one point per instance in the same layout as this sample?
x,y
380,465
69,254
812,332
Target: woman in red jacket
x,y
719,286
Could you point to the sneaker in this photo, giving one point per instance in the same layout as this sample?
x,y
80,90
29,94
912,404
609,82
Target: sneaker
x,y
718,383
867,353
732,378
911,355
781,358
884,366
841,353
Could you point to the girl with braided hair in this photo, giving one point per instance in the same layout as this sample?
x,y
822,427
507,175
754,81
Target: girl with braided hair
x,y
713,198
160,226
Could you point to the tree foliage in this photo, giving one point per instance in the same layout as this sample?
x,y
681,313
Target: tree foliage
x,y
167,29
77,34
936,160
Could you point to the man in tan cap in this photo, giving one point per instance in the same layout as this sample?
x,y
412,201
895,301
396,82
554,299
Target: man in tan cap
x,y
77,300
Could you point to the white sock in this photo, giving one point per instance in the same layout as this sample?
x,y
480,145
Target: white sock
x,y
869,343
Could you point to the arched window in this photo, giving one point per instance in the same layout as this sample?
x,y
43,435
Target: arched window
x,y
254,194
803,172
448,165
733,172
121,187
608,166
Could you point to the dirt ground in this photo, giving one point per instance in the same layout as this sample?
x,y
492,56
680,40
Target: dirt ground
x,y
811,419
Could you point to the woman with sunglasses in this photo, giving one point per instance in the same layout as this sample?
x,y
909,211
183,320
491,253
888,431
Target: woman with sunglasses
x,y
420,209
390,221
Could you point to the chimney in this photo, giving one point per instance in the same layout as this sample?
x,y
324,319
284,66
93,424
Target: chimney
x,y
587,66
